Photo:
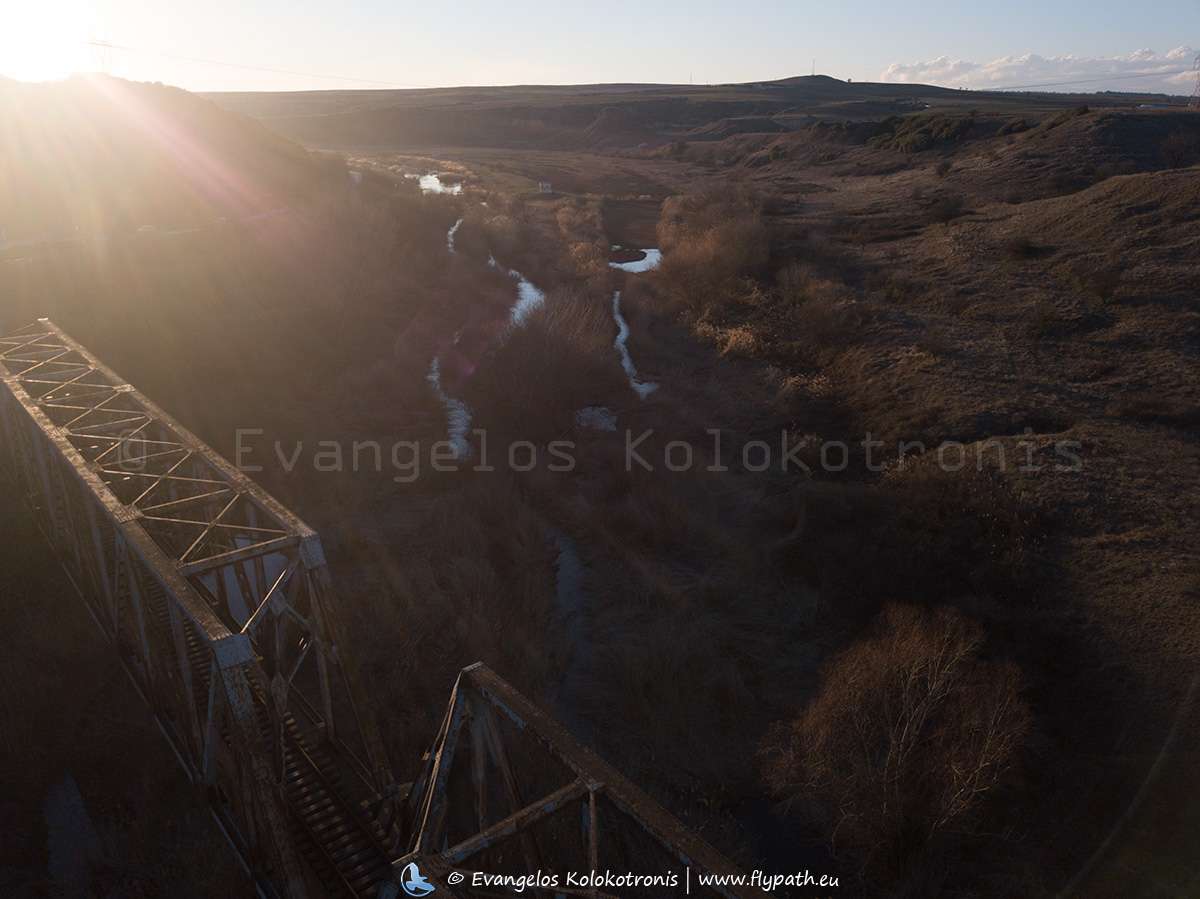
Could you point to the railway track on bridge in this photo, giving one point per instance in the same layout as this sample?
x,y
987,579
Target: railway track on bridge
x,y
223,612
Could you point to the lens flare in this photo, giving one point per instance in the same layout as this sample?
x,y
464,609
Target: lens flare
x,y
46,41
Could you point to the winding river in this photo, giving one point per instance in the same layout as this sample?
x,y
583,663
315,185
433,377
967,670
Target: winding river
x,y
450,235
642,388
647,263
458,413
570,595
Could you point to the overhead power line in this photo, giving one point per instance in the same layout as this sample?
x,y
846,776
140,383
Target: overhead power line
x,y
1089,79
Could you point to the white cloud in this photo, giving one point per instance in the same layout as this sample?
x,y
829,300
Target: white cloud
x,y
1158,73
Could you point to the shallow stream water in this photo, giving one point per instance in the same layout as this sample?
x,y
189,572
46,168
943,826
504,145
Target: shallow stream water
x,y
642,388
433,184
647,263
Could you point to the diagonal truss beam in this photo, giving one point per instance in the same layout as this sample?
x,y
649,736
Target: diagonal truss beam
x,y
536,790
225,616
216,596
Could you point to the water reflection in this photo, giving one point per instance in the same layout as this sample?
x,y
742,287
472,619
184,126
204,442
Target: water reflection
x,y
650,260
641,388
433,184
458,413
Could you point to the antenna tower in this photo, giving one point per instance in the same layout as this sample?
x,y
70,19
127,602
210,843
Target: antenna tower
x,y
101,55
1195,103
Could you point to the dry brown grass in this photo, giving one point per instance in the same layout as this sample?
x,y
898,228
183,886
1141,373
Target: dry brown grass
x,y
740,341
1095,279
468,576
801,282
710,242
558,361
717,246
1156,409
947,208
938,534
581,228
692,631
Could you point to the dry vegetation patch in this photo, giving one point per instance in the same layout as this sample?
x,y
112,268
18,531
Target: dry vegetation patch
x,y
911,733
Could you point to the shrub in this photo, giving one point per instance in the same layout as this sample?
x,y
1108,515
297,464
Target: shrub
x,y
1060,118
1044,321
894,289
1021,246
830,322
912,134
1069,182
1103,282
1108,170
740,341
909,734
581,225
798,282
1094,279
1014,126
947,208
1154,409
504,234
710,242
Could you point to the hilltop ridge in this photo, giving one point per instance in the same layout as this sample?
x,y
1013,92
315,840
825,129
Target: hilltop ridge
x,y
577,116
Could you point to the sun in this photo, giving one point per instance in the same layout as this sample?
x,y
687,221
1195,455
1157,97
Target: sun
x,y
45,41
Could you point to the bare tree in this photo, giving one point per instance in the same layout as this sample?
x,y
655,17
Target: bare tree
x,y
908,734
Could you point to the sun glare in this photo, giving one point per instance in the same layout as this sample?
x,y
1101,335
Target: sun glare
x,y
45,41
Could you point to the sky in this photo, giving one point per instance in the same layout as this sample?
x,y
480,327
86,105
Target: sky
x,y
322,44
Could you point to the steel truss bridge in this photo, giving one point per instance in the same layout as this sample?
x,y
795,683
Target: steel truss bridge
x,y
223,612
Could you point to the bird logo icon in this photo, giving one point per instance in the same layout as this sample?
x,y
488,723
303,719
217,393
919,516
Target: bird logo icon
x,y
414,883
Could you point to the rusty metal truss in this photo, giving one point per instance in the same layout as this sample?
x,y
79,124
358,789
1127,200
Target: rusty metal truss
x,y
222,609
219,602
507,790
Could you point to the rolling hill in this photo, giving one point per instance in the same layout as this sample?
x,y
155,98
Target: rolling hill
x,y
608,115
93,155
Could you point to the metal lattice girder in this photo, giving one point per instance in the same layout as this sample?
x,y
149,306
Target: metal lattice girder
x,y
506,789
216,596
221,606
